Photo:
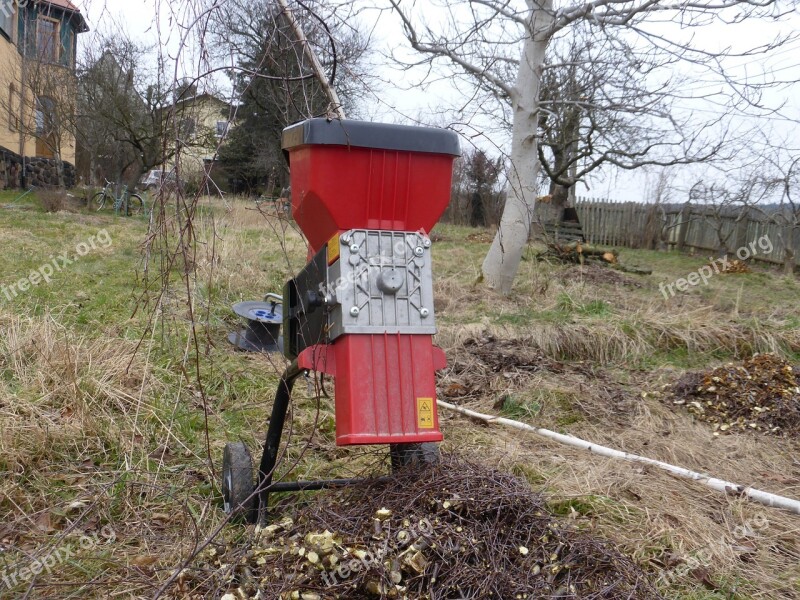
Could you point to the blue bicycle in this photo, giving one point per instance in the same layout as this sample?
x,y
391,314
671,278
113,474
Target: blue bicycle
x,y
126,203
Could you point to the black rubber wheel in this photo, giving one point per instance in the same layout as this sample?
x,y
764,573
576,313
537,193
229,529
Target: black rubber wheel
x,y
413,455
99,200
135,205
237,482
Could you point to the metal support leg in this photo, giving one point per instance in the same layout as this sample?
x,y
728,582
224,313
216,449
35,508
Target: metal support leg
x,y
272,444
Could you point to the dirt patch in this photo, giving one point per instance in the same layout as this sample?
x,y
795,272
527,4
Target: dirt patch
x,y
457,530
500,355
761,394
596,275
479,360
521,382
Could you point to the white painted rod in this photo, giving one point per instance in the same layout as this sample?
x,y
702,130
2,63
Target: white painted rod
x,y
720,485
316,66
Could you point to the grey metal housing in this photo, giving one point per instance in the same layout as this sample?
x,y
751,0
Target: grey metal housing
x,y
382,283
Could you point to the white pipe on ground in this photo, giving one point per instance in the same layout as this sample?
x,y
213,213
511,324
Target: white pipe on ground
x,y
720,485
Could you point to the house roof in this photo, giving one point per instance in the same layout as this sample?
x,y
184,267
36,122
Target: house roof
x,y
200,97
64,4
68,6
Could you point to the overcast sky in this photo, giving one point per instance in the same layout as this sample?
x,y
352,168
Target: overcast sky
x,y
398,103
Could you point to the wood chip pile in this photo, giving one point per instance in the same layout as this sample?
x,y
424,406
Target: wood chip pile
x,y
735,266
762,394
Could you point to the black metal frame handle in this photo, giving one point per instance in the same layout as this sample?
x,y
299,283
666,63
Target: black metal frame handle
x,y
269,457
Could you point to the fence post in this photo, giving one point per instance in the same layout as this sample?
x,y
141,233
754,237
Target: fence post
x,y
683,225
791,248
740,234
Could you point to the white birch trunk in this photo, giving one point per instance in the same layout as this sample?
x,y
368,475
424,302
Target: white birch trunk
x,y
721,485
501,263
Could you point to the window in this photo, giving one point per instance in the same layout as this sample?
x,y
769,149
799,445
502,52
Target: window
x,y
45,116
47,42
67,45
222,128
187,128
12,101
7,18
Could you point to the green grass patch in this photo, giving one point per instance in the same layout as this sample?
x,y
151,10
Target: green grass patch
x,y
519,408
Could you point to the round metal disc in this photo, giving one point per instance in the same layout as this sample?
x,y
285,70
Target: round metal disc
x,y
242,341
259,311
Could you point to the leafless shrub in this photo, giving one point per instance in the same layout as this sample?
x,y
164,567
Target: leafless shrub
x,y
53,200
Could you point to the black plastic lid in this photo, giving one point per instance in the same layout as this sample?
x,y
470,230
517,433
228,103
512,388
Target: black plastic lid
x,y
364,134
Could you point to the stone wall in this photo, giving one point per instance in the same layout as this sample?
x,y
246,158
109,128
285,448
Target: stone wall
x,y
10,169
43,172
39,172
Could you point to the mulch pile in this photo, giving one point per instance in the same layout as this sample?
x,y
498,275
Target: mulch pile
x,y
735,266
762,394
455,530
480,237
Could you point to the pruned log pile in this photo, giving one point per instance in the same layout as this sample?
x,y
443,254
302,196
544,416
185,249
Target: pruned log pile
x,y
581,253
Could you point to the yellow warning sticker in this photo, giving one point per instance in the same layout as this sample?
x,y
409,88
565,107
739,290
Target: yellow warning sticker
x,y
425,413
333,249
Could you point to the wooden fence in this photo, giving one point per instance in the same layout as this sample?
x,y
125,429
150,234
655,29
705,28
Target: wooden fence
x,y
685,227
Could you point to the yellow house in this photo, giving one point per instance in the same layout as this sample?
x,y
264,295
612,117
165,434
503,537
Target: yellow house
x,y
38,41
201,121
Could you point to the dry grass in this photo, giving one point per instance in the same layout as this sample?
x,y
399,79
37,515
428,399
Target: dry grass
x,y
63,387
96,433
745,549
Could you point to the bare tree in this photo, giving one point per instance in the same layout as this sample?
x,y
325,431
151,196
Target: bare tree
x,y
52,124
657,228
480,39
728,206
123,114
598,107
787,215
276,78
476,193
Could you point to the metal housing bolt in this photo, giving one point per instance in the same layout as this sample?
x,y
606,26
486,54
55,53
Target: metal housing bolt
x,y
345,239
426,242
354,248
354,311
419,251
424,312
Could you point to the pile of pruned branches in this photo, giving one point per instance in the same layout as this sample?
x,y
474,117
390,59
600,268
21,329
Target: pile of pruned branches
x,y
579,253
456,530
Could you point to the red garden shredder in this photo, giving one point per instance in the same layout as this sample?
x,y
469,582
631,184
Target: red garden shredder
x,y
361,311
